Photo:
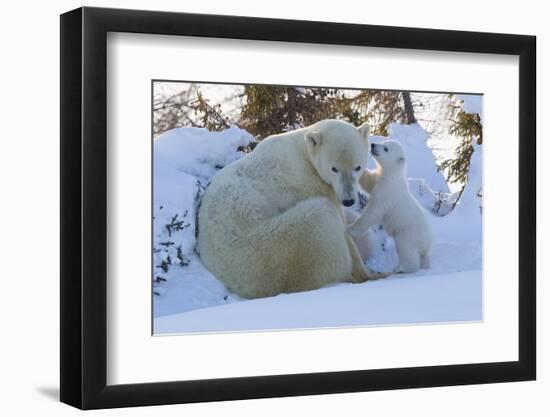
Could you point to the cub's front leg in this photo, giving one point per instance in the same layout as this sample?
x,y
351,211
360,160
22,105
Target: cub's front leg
x,y
371,216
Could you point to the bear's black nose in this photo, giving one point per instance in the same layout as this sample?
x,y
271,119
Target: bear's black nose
x,y
372,145
348,203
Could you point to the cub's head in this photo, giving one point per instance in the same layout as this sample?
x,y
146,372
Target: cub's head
x,y
339,153
390,155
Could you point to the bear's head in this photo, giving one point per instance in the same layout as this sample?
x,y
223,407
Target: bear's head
x,y
339,153
390,155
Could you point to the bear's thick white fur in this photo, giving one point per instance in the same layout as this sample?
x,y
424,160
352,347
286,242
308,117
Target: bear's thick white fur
x,y
273,223
392,205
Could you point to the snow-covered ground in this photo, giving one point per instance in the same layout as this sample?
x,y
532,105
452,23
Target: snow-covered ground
x,y
189,299
454,296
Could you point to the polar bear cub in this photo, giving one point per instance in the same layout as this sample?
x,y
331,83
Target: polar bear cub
x,y
392,205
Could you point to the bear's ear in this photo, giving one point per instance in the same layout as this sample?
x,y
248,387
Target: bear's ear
x,y
364,130
401,160
313,139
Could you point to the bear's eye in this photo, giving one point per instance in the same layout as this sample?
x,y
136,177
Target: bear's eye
x,y
357,168
385,149
334,170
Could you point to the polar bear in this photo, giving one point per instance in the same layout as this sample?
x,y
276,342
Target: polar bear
x,y
272,222
392,205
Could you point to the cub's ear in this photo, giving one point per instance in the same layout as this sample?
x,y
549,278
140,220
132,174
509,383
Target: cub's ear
x,y
314,139
364,130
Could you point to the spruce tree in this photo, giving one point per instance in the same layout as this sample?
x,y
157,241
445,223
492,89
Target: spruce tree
x,y
469,128
272,109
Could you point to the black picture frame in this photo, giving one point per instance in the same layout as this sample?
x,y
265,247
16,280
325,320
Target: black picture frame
x,y
84,207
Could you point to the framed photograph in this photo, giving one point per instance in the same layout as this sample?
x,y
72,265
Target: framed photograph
x,y
258,208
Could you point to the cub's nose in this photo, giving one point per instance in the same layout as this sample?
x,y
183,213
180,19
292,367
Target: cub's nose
x,y
373,145
348,203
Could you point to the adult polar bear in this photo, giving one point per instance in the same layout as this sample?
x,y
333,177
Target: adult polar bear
x,y
272,222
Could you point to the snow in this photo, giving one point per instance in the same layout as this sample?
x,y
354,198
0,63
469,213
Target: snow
x,y
201,153
184,160
188,299
421,162
426,182
403,300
